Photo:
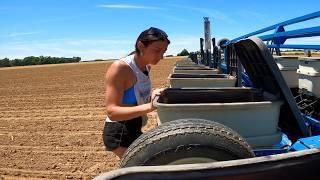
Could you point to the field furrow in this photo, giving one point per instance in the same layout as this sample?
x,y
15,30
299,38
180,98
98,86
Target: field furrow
x,y
52,117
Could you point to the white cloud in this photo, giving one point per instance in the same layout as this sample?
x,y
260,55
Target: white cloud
x,y
208,12
126,6
180,42
91,54
87,49
15,34
306,41
252,15
98,42
4,8
215,14
174,18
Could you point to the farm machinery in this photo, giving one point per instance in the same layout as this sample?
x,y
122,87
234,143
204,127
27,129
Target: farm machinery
x,y
247,114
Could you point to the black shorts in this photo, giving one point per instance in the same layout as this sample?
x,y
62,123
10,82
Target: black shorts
x,y
121,133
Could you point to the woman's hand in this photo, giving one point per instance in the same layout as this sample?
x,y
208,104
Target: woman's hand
x,y
155,92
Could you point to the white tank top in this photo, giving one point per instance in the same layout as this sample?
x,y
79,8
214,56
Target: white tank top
x,y
142,87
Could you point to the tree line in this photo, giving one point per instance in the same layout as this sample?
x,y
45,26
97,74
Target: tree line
x,y
32,60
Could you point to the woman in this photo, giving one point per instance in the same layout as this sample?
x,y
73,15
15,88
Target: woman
x,y
128,90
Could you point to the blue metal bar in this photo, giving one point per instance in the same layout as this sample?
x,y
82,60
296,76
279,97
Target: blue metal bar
x,y
227,60
295,46
306,143
313,123
306,32
268,152
246,82
288,22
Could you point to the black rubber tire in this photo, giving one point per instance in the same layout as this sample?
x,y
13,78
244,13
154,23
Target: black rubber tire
x,y
186,138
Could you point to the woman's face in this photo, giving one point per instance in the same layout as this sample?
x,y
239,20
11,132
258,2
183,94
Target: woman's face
x,y
154,52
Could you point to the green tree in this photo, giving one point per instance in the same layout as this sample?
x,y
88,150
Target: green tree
x,y
28,60
16,62
32,60
184,52
5,62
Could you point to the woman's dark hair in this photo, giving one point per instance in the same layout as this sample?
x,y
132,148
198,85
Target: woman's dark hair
x,y
149,36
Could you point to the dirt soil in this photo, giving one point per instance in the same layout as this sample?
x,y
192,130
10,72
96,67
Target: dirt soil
x,y
51,120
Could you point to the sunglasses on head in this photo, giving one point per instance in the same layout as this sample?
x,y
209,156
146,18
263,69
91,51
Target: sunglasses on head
x,y
158,33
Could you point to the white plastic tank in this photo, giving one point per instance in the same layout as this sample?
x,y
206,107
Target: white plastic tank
x,y
201,80
288,66
252,113
195,70
309,74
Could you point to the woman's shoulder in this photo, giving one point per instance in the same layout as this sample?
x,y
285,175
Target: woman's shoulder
x,y
120,68
118,64
120,72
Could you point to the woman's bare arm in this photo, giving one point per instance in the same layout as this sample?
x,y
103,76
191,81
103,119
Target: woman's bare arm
x,y
119,78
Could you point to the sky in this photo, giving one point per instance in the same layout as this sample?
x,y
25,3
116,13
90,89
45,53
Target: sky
x,y
108,29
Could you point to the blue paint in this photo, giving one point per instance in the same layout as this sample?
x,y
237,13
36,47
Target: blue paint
x,y
306,143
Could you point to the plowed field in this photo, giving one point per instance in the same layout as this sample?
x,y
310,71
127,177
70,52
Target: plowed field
x,y
51,120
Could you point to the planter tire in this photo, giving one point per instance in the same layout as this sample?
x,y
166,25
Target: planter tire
x,y
186,141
